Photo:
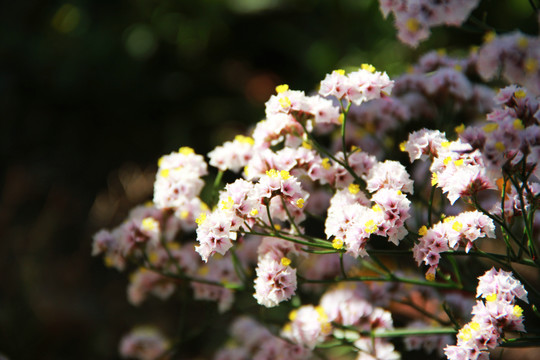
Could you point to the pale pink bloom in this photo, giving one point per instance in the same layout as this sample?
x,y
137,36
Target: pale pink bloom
x,y
274,128
143,343
454,352
501,283
365,85
309,326
323,111
275,282
178,178
394,207
277,248
390,175
221,271
265,159
232,155
232,353
450,81
249,332
346,305
378,116
215,234
518,56
412,28
144,282
277,348
424,143
376,349
501,314
334,84
461,230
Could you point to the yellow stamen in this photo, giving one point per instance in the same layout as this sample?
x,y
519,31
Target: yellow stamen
x,y
244,139
520,94
402,146
500,146
306,145
254,212
368,67
522,42
326,163
413,25
370,226
457,226
293,314
460,128
423,230
354,188
517,311
491,127
531,65
491,297
282,88
490,36
337,243
285,102
227,204
164,173
201,218
186,150
518,124
434,179
285,261
340,71
149,224
160,161
300,203
447,160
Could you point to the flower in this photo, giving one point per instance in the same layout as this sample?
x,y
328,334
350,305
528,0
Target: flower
x,y
275,281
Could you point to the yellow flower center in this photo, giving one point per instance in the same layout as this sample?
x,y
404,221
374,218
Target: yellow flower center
x,y
337,243
282,88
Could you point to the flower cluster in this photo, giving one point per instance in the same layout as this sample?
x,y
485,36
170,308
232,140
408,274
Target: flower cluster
x,y
352,219
357,87
178,184
451,233
144,343
414,18
493,315
304,213
515,55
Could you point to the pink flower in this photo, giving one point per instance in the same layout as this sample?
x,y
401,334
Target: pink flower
x,y
143,343
423,144
144,282
275,282
390,175
232,155
309,326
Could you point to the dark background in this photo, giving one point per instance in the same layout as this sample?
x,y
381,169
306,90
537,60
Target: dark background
x,y
93,92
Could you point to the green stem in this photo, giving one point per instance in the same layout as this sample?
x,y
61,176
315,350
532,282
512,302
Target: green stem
x,y
447,285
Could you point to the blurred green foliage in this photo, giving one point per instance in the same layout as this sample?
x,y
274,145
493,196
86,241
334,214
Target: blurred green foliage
x,y
93,92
